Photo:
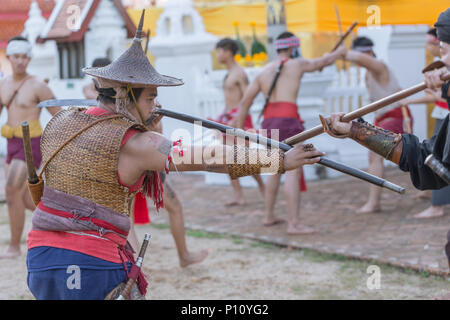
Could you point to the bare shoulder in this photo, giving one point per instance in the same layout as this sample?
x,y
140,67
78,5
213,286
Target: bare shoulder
x,y
300,62
241,72
149,140
38,83
237,73
147,150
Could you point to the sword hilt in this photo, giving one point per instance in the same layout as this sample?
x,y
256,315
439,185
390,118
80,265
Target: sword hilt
x,y
126,291
438,168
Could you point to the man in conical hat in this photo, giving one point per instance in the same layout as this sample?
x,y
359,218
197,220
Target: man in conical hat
x,y
95,161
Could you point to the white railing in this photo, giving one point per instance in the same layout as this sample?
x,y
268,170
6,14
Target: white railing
x,y
347,92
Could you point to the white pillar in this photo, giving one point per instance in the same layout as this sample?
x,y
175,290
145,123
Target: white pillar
x,y
182,48
107,33
44,63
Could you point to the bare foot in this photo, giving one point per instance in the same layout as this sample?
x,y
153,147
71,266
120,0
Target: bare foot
x,y
10,252
193,257
269,223
431,212
235,203
424,194
369,208
300,229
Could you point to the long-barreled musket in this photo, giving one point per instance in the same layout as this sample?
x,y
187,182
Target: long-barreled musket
x,y
371,107
250,136
273,143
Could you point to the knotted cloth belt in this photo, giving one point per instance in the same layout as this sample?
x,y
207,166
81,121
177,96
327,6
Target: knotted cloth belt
x,y
16,132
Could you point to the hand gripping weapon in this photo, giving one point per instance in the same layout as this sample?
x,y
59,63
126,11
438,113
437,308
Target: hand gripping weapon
x,y
438,167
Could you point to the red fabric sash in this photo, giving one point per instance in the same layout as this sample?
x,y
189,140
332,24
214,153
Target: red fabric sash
x,y
442,104
285,110
281,110
394,113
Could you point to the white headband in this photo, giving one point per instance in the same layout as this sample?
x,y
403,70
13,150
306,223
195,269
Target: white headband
x,y
363,48
18,47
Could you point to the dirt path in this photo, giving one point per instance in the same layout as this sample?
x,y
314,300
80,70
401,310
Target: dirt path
x,y
238,268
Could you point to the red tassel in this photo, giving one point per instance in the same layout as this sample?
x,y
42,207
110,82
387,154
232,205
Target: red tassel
x,y
141,214
155,190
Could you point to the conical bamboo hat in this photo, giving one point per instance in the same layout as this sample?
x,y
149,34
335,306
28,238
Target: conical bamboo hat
x,y
132,67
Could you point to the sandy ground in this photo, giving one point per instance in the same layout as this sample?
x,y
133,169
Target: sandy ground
x,y
238,268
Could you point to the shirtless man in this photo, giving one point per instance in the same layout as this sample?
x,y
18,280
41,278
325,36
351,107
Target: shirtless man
x,y
234,86
171,202
281,116
20,93
380,82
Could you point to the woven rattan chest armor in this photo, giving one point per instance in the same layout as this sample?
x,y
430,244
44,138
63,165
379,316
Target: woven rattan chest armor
x,y
87,165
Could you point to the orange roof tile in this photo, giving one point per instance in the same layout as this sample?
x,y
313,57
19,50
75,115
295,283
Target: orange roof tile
x,y
61,29
14,13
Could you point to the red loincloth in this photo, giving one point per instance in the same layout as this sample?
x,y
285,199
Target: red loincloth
x,y
226,118
15,150
393,120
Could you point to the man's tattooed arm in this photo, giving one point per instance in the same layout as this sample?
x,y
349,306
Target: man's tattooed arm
x,y
165,147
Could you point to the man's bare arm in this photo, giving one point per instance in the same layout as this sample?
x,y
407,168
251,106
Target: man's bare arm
x,y
315,64
44,93
372,64
243,82
246,102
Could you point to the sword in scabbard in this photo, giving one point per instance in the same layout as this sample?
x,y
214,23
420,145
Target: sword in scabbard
x,y
438,167
273,143
35,185
132,280
32,176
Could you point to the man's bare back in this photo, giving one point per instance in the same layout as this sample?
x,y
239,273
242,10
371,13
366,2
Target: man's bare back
x,y
23,107
288,82
234,85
